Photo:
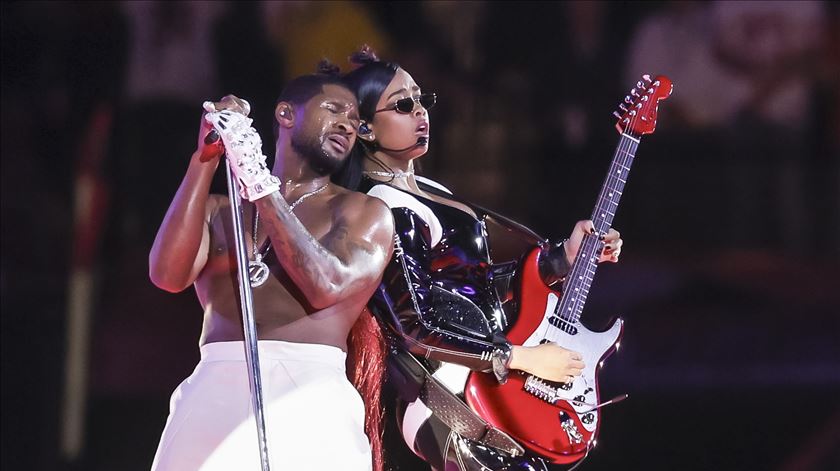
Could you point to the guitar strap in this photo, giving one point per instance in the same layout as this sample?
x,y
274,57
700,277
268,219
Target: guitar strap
x,y
451,410
481,210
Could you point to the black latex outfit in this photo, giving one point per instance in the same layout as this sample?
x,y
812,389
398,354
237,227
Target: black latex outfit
x,y
445,303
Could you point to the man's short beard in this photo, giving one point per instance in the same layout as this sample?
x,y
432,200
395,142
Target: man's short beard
x,y
314,153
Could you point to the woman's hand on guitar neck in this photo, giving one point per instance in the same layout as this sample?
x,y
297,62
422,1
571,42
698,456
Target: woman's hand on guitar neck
x,y
547,361
612,242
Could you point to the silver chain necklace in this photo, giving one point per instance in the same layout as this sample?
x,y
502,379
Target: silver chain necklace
x,y
257,269
392,175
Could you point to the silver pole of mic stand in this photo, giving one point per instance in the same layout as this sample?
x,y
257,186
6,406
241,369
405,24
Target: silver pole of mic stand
x,y
252,357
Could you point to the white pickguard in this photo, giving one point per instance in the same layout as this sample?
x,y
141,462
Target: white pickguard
x,y
592,346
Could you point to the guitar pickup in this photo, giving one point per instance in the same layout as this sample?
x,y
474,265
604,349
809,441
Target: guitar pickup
x,y
563,325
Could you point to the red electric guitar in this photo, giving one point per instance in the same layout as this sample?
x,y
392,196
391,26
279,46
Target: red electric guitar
x,y
559,421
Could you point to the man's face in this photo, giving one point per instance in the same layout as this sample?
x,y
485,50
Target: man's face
x,y
325,129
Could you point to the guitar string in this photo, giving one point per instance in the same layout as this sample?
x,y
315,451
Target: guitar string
x,y
622,159
570,311
622,162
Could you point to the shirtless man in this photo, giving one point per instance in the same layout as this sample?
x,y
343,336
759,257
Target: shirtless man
x,y
325,249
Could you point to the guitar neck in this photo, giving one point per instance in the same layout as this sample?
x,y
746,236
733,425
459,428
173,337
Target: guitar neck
x,y
578,282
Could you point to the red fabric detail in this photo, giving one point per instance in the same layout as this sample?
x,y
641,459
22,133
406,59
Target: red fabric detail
x,y
366,370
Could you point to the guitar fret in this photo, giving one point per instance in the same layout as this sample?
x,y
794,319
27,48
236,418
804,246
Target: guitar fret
x,y
630,137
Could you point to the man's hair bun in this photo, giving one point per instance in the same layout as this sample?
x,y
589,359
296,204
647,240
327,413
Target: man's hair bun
x,y
365,55
328,68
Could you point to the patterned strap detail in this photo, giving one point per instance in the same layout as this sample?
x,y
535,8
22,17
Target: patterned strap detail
x,y
460,418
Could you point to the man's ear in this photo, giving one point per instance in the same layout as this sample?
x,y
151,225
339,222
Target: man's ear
x,y
365,132
284,113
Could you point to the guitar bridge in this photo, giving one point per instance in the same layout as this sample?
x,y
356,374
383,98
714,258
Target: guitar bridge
x,y
541,389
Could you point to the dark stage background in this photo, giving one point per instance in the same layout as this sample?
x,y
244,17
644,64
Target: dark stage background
x,y
728,283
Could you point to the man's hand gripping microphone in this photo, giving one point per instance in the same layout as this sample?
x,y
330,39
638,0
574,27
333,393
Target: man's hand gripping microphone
x,y
243,147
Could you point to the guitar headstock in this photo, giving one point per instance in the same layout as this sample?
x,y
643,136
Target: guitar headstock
x,y
637,115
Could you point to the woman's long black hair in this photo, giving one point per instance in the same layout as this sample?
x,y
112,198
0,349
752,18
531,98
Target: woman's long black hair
x,y
368,81
366,346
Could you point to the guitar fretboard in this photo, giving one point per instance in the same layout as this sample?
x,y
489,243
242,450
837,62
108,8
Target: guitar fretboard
x,y
578,282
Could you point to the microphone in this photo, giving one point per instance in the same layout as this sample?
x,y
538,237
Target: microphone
x,y
421,141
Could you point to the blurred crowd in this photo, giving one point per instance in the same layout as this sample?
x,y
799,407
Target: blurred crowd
x,y
101,102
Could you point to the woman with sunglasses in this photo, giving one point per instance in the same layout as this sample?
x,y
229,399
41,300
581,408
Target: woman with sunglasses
x,y
441,298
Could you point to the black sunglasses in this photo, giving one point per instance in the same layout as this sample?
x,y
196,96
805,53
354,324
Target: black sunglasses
x,y
406,105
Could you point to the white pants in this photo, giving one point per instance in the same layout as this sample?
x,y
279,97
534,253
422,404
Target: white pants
x,y
314,417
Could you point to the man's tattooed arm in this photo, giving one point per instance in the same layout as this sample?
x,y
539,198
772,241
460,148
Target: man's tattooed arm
x,y
349,258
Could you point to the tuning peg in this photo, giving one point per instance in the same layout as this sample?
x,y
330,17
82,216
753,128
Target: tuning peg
x,y
634,92
632,112
628,100
617,114
640,84
646,78
622,107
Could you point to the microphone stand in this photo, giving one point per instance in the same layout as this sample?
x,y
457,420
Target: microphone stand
x,y
252,357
